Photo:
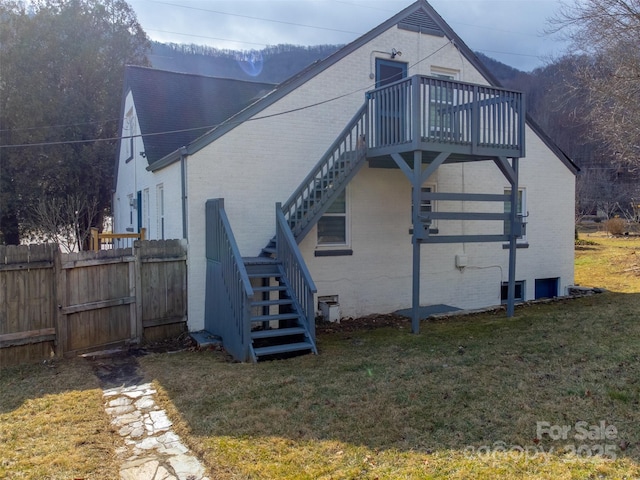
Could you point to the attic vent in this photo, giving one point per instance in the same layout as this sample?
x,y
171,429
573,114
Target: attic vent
x,y
420,21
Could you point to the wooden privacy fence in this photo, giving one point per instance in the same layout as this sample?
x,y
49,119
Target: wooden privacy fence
x,y
59,304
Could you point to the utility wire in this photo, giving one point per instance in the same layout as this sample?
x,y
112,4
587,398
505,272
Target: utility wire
x,y
211,127
21,129
254,18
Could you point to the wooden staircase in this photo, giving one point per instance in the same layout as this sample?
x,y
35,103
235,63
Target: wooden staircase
x,y
264,307
278,327
326,181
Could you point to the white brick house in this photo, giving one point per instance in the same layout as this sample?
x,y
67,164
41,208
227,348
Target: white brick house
x,y
358,249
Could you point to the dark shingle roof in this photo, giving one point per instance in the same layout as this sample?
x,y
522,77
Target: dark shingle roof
x,y
419,16
187,104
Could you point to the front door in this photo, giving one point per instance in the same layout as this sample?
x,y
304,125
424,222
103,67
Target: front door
x,y
391,107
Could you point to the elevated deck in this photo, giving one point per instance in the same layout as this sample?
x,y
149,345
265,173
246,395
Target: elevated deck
x,y
432,115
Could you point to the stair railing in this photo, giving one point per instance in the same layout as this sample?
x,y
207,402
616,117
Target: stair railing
x,y
329,176
228,289
296,270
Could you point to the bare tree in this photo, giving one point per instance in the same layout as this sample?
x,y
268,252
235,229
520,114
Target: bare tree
x,y
607,33
64,221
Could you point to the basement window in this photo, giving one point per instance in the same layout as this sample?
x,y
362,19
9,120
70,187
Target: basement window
x,y
519,293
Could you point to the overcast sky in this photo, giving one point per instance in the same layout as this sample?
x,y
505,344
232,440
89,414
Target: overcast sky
x,y
510,31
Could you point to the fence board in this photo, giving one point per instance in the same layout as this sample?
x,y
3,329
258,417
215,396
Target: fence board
x,y
105,298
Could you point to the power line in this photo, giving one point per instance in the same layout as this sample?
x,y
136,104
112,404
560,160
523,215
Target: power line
x,y
22,129
209,127
492,28
283,22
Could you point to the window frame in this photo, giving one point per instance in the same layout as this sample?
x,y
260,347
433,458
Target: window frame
x,y
504,295
521,211
131,208
432,204
347,224
160,213
146,218
130,128
437,98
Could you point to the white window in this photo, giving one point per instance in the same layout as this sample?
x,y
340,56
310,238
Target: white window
x,y
426,206
132,207
521,211
128,134
333,225
146,221
160,210
442,98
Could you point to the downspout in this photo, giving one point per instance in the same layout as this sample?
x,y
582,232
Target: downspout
x,y
183,182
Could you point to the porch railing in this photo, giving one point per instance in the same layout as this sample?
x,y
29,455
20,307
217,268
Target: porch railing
x,y
421,112
296,270
109,241
328,178
228,289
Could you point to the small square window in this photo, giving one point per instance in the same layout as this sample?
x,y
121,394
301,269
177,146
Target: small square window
x,y
519,293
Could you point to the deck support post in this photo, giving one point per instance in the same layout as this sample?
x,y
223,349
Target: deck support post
x,y
513,235
416,182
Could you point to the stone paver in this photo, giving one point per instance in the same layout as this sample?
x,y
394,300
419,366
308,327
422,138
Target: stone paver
x,y
151,451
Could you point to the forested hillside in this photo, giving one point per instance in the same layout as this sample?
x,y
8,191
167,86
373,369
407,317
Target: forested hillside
x,y
554,100
277,63
272,64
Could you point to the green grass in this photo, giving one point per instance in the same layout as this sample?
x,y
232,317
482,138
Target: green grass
x,y
611,263
442,404
53,424
461,400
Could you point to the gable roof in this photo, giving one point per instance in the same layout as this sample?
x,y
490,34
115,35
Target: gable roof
x,y
186,105
419,17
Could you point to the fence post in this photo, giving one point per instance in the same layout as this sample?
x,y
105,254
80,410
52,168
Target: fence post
x,y
61,302
95,240
137,286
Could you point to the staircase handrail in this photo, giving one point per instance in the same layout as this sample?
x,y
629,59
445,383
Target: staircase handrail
x,y
234,302
299,277
298,196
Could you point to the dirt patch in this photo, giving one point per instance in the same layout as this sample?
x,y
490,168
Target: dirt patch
x,y
117,370
120,367
368,322
168,345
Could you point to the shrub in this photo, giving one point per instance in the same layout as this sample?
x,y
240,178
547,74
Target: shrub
x,y
615,226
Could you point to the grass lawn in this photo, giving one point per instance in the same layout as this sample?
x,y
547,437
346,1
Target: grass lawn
x,y
474,397
612,263
552,393
53,424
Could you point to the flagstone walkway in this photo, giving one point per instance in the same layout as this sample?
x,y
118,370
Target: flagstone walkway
x,y
151,450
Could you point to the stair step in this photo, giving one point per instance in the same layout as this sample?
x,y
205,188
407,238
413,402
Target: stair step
x,y
270,288
284,348
278,332
274,274
279,316
267,303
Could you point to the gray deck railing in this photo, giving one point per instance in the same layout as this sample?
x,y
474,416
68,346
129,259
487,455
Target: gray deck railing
x,y
296,270
328,178
422,111
227,310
